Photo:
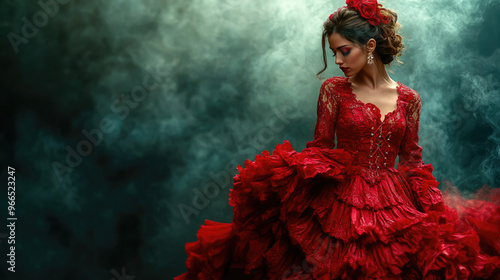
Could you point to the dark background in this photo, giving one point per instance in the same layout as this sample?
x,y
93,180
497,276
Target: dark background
x,y
233,78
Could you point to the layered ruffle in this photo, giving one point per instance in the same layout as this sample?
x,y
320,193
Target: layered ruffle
x,y
268,192
468,246
424,185
209,256
311,214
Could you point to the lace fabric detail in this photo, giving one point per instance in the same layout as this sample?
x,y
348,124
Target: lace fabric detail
x,y
374,143
410,153
327,114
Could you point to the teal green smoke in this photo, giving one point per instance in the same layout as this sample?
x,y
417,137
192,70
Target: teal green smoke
x,y
238,78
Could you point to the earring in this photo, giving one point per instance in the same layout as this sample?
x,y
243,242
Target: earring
x,y
370,58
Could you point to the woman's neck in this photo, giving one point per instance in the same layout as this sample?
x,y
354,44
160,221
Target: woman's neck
x,y
373,77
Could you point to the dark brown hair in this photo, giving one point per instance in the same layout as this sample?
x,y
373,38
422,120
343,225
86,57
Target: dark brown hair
x,y
349,24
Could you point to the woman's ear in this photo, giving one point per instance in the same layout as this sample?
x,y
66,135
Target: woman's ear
x,y
371,45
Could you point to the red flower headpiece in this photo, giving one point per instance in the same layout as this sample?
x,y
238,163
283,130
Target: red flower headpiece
x,y
368,9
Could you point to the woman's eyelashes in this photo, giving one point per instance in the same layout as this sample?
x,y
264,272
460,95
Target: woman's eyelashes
x,y
343,53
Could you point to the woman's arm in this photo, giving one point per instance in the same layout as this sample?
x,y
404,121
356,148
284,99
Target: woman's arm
x,y
326,122
417,174
410,153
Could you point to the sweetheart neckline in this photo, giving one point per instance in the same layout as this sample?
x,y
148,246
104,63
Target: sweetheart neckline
x,y
379,114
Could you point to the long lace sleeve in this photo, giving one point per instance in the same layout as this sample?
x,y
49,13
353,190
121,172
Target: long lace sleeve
x,y
416,172
327,111
410,153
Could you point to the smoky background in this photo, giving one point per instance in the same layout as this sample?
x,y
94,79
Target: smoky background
x,y
125,120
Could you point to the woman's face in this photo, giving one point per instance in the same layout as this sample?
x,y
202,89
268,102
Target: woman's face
x,y
349,57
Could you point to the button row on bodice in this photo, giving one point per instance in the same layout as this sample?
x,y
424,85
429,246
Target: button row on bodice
x,y
376,143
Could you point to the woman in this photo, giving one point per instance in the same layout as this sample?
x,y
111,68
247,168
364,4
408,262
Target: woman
x,y
345,212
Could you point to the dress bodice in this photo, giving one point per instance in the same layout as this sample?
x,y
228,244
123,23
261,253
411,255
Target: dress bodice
x,y
374,143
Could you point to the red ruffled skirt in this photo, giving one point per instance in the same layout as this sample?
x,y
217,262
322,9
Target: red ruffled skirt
x,y
312,215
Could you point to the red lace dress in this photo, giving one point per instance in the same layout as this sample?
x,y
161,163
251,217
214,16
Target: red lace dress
x,y
345,212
